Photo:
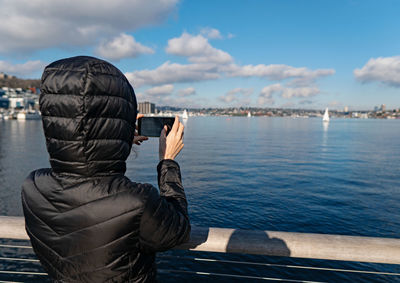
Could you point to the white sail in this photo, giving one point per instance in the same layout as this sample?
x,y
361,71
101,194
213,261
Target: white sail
x,y
326,116
185,114
249,114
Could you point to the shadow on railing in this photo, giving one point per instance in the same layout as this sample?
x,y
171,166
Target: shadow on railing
x,y
270,243
299,245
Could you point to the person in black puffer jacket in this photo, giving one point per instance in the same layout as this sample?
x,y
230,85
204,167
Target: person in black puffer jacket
x,y
88,222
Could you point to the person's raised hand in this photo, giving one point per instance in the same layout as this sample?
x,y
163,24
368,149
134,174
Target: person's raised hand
x,y
138,139
170,145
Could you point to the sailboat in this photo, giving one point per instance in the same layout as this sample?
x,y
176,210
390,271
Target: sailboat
x,y
326,116
249,114
185,114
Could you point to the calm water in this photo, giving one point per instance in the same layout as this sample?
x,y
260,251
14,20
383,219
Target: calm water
x,y
262,173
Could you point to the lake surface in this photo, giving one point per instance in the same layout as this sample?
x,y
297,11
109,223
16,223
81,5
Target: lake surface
x,y
282,174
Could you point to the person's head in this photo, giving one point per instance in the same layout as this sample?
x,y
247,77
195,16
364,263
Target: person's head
x,y
89,111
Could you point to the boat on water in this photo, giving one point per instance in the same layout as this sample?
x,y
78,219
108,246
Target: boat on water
x,y
249,114
185,114
326,116
29,115
9,115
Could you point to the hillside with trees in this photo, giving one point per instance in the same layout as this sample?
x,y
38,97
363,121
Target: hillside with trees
x,y
15,82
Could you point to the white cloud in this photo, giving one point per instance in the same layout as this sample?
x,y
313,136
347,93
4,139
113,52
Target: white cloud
x,y
197,49
266,94
280,72
160,90
211,33
172,100
242,91
122,46
178,73
265,101
268,91
22,70
382,69
238,95
186,92
30,25
206,63
209,63
169,73
288,92
187,102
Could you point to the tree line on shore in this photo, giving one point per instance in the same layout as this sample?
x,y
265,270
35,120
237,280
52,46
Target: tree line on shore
x,y
22,83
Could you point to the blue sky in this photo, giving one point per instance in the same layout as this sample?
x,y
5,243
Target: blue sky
x,y
302,54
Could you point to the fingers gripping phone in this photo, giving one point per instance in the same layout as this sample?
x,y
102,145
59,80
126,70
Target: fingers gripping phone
x,y
152,126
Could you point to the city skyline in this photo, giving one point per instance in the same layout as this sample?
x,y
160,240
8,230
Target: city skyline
x,y
290,54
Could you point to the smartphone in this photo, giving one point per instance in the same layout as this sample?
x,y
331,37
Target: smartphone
x,y
152,126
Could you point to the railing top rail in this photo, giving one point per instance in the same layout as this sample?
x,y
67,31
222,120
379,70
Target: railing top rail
x,y
272,243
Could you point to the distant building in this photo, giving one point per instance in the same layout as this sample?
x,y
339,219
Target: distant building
x,y
147,108
346,109
4,102
5,76
383,107
17,102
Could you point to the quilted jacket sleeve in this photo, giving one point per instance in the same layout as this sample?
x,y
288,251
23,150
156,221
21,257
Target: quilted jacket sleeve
x,y
165,221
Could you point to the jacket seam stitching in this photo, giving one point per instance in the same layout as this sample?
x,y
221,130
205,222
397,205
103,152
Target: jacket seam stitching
x,y
146,201
37,189
98,117
102,246
87,140
37,217
85,130
103,95
92,201
81,162
43,258
68,257
99,223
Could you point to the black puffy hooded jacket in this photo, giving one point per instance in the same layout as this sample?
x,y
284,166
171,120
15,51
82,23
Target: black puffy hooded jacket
x,y
88,222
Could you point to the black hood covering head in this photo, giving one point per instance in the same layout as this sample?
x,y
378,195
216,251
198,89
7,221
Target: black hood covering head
x,y
89,112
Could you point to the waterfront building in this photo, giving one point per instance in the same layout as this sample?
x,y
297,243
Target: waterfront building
x,y
147,108
383,107
5,76
4,102
18,98
17,102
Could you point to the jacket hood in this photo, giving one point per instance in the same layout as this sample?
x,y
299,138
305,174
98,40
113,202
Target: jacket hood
x,y
88,112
